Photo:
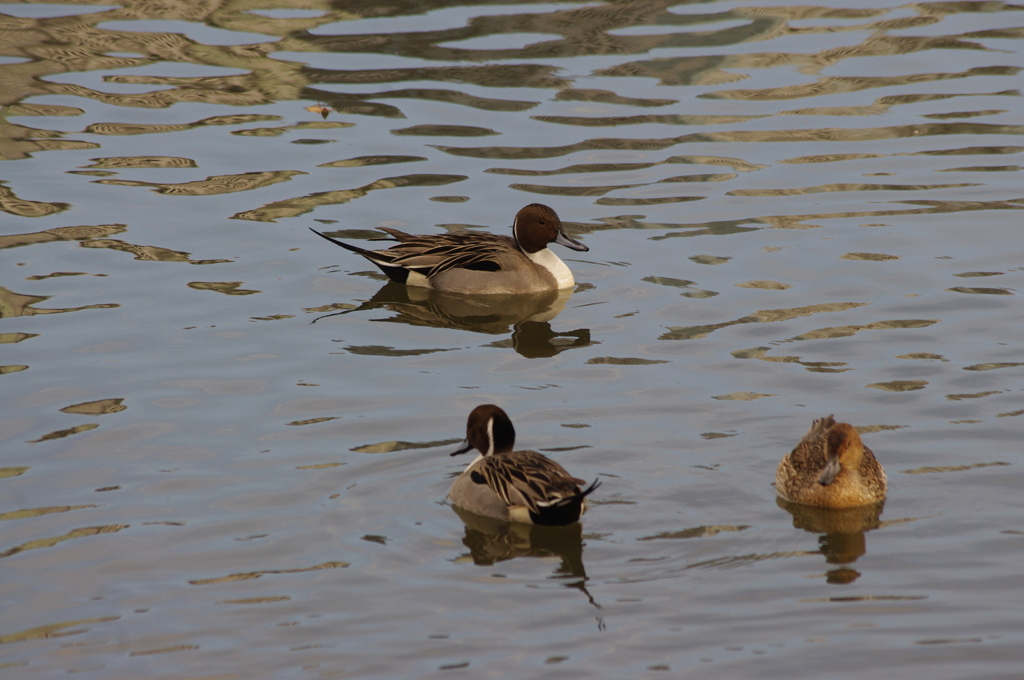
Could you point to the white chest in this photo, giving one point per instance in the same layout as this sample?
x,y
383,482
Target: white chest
x,y
547,259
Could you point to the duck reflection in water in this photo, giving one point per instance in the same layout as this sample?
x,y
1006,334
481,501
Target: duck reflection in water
x,y
528,316
841,531
492,540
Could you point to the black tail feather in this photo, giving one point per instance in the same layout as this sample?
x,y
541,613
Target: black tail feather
x,y
569,500
396,274
354,249
566,510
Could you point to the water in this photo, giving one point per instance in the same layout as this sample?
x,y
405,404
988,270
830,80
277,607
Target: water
x,y
224,440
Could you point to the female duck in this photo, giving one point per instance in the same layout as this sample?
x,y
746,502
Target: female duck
x,y
515,486
480,263
831,468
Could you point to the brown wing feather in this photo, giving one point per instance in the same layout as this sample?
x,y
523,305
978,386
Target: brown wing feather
x,y
528,478
437,253
809,454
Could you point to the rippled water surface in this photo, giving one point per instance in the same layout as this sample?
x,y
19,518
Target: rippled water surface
x,y
224,440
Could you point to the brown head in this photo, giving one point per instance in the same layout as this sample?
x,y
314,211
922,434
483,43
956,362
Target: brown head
x,y
845,443
488,430
537,225
844,449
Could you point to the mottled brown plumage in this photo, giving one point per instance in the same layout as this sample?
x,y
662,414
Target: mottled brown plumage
x,y
831,468
517,486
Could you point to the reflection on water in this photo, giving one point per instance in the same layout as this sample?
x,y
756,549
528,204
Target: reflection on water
x,y
293,207
82,233
795,147
491,541
462,54
842,533
529,316
10,203
222,184
52,541
16,304
535,339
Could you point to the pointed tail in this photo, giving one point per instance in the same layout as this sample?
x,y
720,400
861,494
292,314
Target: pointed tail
x,y
381,261
355,249
578,497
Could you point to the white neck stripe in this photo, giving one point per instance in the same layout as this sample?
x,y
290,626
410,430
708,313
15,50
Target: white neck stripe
x,y
478,458
490,437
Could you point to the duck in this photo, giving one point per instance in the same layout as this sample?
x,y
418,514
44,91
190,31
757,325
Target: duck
x,y
831,468
479,263
514,486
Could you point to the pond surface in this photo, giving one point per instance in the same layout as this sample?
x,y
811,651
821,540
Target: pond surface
x,y
224,441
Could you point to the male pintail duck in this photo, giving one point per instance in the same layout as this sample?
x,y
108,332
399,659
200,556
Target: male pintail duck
x,y
480,263
831,468
514,486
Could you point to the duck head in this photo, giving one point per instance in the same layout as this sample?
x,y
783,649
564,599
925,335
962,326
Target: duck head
x,y
488,430
536,226
844,449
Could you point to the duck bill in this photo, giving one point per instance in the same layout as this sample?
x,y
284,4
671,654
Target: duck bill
x,y
564,239
828,475
464,447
